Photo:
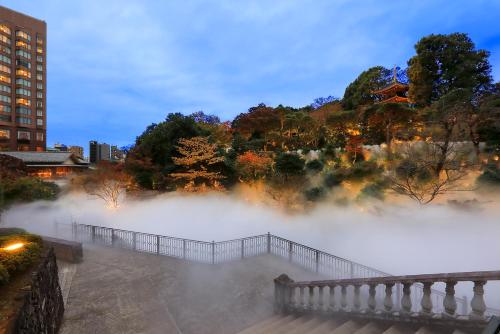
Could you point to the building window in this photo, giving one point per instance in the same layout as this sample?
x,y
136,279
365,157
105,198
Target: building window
x,y
23,34
22,91
23,53
5,118
39,136
39,59
24,63
39,49
4,39
25,135
4,134
39,68
23,82
5,69
24,45
5,49
25,102
39,104
4,78
23,111
39,113
39,122
39,85
5,108
23,120
6,99
5,59
23,73
39,40
39,77
39,95
5,89
4,29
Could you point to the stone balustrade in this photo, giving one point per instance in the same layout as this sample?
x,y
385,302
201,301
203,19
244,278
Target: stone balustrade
x,y
321,296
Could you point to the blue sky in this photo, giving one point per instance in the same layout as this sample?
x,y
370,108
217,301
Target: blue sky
x,y
115,66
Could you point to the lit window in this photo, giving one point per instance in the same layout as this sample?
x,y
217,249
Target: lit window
x,y
23,82
23,73
4,29
5,59
4,88
4,39
5,49
39,113
23,111
5,69
23,120
21,44
39,136
4,78
39,40
4,98
5,108
23,34
26,135
4,133
23,53
39,49
24,102
39,122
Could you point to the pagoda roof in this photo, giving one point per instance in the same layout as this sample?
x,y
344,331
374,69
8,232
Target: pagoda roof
x,y
395,99
393,87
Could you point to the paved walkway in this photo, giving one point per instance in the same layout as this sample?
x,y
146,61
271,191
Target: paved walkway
x,y
120,291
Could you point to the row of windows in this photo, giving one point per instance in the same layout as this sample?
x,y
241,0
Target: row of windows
x,y
5,49
4,118
26,135
23,82
5,89
4,29
24,63
4,39
4,78
22,44
39,76
5,59
4,68
23,111
24,120
5,108
23,53
6,99
23,73
22,91
24,102
23,34
39,85
39,113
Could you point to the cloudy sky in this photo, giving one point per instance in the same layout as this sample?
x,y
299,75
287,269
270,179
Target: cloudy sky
x,y
115,66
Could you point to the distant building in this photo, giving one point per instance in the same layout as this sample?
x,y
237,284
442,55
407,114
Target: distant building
x,y
50,164
98,152
117,154
60,147
76,150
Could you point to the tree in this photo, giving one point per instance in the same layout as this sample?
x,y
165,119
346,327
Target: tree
x,y
259,121
444,63
253,166
340,124
288,164
359,92
321,101
198,159
108,182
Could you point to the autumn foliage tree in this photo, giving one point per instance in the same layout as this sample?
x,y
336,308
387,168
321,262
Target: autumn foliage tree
x,y
253,166
198,162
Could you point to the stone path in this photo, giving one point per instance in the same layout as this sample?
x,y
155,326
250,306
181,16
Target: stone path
x,y
120,291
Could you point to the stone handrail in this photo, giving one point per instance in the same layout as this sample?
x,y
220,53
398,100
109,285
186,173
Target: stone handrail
x,y
317,300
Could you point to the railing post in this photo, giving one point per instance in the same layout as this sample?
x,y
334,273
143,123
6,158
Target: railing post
x,y
282,295
158,244
352,270
268,243
388,303
449,302
242,248
311,298
343,297
290,251
134,240
372,302
465,305
112,237
406,299
184,249
317,261
213,252
426,302
321,298
477,303
398,296
331,306
93,234
357,298
302,298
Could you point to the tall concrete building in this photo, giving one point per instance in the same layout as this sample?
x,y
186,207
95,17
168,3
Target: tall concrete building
x,y
23,82
98,152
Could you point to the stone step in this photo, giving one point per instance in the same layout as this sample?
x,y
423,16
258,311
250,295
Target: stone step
x,y
297,323
372,328
399,329
348,327
326,327
309,326
261,325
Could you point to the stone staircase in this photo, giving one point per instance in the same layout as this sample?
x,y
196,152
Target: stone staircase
x,y
290,324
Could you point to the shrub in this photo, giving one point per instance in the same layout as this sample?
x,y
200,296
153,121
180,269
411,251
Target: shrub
x,y
491,174
374,190
288,164
363,169
314,166
27,189
332,179
314,194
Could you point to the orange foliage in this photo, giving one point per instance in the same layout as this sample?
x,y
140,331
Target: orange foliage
x,y
251,165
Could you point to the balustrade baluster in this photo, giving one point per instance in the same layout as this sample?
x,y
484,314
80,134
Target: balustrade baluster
x,y
477,303
332,298
321,304
406,299
426,302
292,302
311,297
372,302
357,298
388,303
449,302
302,298
343,297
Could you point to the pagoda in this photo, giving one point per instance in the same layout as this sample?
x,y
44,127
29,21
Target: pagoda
x,y
396,92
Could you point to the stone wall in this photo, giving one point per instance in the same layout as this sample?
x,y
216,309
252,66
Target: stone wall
x,y
43,307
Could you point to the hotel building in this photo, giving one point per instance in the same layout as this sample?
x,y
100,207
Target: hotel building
x,y
23,82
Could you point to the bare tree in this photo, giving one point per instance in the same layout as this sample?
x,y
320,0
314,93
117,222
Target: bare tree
x,y
426,171
108,182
